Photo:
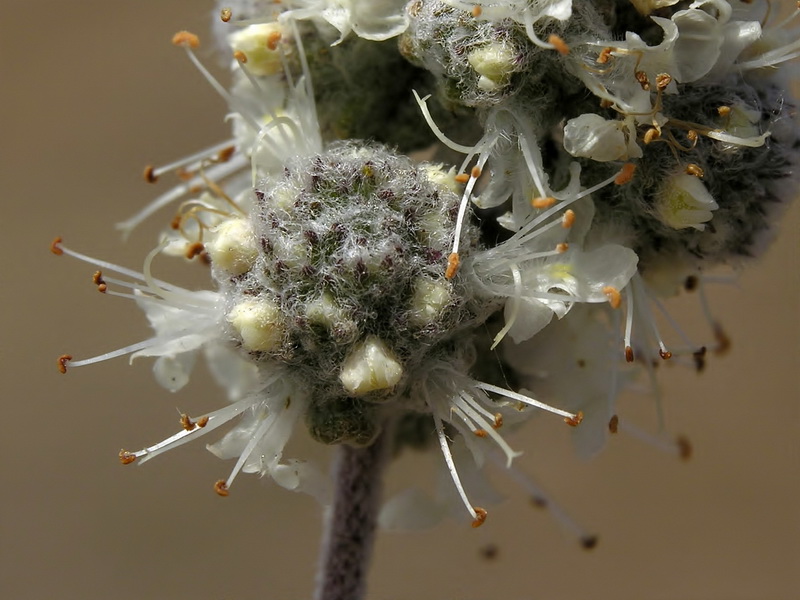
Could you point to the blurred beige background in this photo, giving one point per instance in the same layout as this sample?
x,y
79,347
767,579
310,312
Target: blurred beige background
x,y
92,91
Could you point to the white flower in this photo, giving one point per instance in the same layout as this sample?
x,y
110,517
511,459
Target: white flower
x,y
370,19
684,201
592,136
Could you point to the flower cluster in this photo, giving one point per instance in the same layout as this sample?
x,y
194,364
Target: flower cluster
x,y
624,148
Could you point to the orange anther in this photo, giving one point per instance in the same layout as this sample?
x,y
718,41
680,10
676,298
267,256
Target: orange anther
x,y
186,422
628,354
665,354
696,170
613,295
476,172
481,433
273,39
476,11
641,77
462,178
240,56
480,516
692,135
724,111
562,247
613,424
452,265
663,80
545,202
202,422
55,247
186,39
126,457
574,420
498,421
62,361
194,249
225,14
605,55
221,487
568,220
559,44
650,135
225,154
625,174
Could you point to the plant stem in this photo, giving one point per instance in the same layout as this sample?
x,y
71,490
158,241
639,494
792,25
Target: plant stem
x,y
350,524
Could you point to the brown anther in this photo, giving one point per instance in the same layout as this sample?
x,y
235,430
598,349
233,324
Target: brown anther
x,y
665,354
605,55
452,265
559,44
696,170
240,56
204,258
568,220
97,279
690,284
202,422
126,457
606,103
562,247
462,178
225,154
221,488
225,15
186,39
723,341
692,135
699,359
186,422
628,354
149,174
476,11
662,81
613,424
625,174
684,447
273,39
186,175
176,222
539,501
651,135
55,247
476,172
194,249
481,433
545,202
498,421
724,111
480,516
641,77
613,295
589,542
574,420
62,361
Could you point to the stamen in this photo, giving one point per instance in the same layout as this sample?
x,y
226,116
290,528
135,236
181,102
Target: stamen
x,y
422,102
98,280
55,247
628,325
451,466
529,401
575,420
651,135
240,56
515,304
221,488
480,516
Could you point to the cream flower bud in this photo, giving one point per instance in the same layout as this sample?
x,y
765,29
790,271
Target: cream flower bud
x,y
259,323
445,179
259,43
233,246
324,310
592,136
494,63
370,366
430,298
685,202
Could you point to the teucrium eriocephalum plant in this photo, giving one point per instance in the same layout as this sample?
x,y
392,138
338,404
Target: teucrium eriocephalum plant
x,y
623,149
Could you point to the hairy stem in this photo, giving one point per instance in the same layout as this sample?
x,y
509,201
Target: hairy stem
x,y
350,525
